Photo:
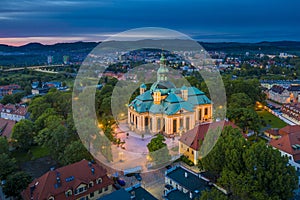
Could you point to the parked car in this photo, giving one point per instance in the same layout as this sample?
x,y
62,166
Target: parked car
x,y
117,186
138,176
168,166
121,182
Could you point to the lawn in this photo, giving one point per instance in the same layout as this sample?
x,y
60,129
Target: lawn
x,y
271,120
34,153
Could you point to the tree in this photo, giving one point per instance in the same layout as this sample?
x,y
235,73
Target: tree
x,y
245,118
158,150
23,133
240,100
75,152
16,183
4,147
214,194
250,171
37,107
7,165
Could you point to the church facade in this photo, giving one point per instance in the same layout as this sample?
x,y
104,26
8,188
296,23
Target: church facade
x,y
163,108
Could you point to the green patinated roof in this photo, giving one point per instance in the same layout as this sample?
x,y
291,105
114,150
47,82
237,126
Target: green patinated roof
x,y
146,96
173,108
171,104
143,86
194,91
173,98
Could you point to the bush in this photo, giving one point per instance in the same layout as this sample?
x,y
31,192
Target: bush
x,y
186,160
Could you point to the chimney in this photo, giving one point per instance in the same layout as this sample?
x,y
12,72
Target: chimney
x,y
90,164
191,195
93,171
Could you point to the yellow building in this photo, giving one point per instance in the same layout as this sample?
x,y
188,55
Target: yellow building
x,y
190,142
167,109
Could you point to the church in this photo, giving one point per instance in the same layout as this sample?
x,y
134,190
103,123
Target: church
x,y
166,109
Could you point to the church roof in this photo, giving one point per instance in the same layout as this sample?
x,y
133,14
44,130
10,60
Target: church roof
x,y
172,101
143,86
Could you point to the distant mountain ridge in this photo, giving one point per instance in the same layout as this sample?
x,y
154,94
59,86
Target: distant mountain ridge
x,y
210,46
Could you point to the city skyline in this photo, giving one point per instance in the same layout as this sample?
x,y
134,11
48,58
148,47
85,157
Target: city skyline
x,y
50,22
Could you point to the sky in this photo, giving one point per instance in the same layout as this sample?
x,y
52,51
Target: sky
x,y
52,21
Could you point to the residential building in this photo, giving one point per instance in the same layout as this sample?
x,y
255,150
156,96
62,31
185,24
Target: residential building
x,y
272,133
182,184
291,111
190,142
167,109
279,94
289,145
294,91
81,181
15,112
8,89
135,192
6,127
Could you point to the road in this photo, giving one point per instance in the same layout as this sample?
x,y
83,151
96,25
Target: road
x,y
31,67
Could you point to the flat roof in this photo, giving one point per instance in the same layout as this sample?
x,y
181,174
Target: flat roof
x,y
118,194
191,182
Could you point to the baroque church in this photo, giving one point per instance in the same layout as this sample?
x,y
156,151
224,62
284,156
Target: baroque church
x,y
166,109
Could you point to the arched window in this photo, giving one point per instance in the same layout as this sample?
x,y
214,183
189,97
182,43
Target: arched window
x,y
99,180
91,184
51,198
68,193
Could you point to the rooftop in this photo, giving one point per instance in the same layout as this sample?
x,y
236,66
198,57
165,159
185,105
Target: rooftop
x,y
187,180
192,137
57,182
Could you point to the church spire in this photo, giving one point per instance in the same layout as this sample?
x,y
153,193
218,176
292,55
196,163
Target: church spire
x,y
162,73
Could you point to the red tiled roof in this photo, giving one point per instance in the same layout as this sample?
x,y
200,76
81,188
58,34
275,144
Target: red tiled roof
x,y
14,109
285,144
6,127
289,129
192,137
82,173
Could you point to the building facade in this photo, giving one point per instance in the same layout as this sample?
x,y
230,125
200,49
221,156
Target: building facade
x,y
292,112
81,181
14,112
167,109
190,142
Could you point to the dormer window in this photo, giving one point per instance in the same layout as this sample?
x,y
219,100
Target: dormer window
x,y
91,184
51,198
99,181
68,193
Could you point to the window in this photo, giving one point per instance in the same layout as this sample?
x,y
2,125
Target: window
x,y
188,150
68,193
99,180
187,123
100,191
92,194
51,198
80,190
192,152
106,188
91,184
200,114
158,124
181,122
206,111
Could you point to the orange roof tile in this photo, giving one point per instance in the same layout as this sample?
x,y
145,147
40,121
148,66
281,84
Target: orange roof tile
x,y
192,137
81,173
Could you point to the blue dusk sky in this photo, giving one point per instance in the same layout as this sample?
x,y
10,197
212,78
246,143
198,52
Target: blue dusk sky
x,y
51,21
